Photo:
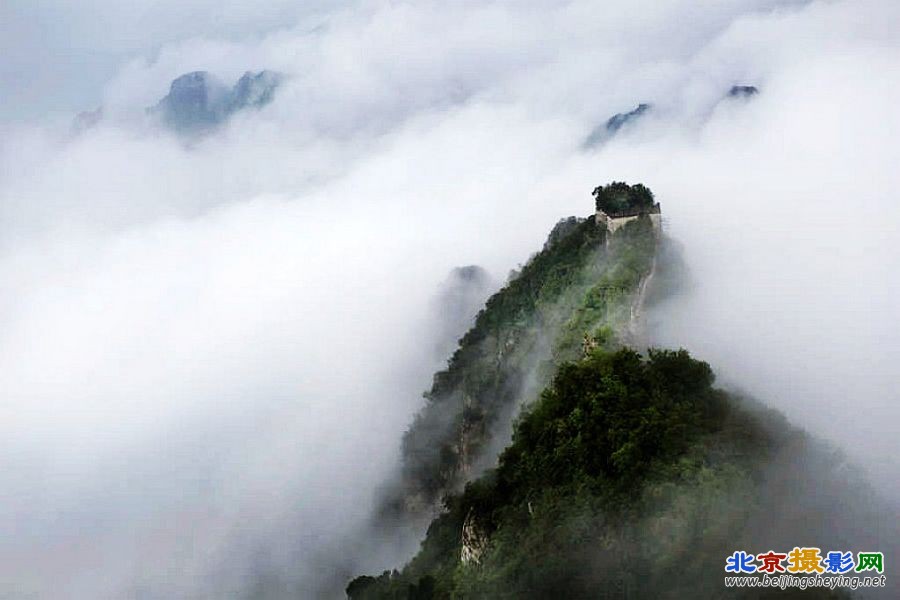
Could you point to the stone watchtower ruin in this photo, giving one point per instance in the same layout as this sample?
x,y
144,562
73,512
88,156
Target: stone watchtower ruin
x,y
617,219
618,203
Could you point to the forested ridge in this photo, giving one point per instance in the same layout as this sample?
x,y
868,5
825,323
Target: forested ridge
x,y
576,288
628,474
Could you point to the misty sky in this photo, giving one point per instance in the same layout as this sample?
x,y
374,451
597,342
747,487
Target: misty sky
x,y
58,55
210,346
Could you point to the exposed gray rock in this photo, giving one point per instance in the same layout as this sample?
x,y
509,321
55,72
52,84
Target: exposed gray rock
x,y
195,101
253,90
614,124
198,101
742,91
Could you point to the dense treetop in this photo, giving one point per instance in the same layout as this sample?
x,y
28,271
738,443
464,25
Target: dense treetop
x,y
619,197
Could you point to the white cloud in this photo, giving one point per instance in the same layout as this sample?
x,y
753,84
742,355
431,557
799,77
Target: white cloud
x,y
209,350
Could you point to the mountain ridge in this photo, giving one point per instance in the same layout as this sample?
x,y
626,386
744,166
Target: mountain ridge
x,y
625,474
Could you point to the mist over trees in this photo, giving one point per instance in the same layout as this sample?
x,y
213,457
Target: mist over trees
x,y
632,477
627,475
212,343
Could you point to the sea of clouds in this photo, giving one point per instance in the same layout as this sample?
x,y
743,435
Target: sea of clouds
x,y
210,346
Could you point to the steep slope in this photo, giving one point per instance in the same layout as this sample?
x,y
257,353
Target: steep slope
x,y
630,477
576,293
616,122
197,101
623,475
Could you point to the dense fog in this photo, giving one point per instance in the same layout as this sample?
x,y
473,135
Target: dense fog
x,y
211,342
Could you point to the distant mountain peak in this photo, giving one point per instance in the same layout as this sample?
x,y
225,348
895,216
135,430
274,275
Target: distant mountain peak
x,y
615,123
742,91
197,101
619,120
254,89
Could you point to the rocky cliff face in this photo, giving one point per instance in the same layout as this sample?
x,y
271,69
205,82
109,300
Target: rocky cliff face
x,y
253,90
195,101
474,539
198,101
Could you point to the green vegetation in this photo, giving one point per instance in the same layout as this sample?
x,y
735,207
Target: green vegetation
x,y
627,475
630,476
606,303
576,286
619,197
